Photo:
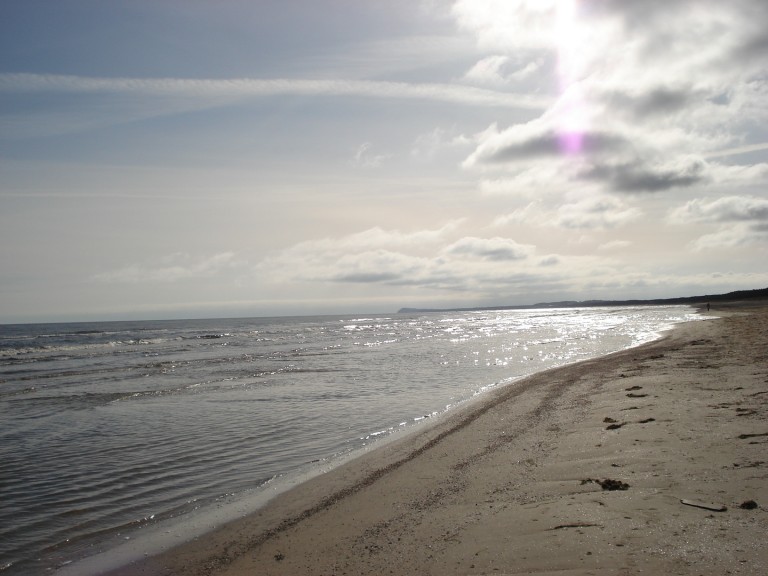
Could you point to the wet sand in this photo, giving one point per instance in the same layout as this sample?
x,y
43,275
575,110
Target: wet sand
x,y
649,461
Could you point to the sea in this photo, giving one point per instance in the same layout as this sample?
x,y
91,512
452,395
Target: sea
x,y
120,438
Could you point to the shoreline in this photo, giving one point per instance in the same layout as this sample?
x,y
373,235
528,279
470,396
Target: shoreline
x,y
508,483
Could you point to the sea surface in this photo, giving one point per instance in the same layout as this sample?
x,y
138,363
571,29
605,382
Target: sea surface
x,y
111,430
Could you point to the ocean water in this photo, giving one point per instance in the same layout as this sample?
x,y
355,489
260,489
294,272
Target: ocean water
x,y
108,430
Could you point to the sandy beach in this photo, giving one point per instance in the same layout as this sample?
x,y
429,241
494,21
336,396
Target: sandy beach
x,y
649,461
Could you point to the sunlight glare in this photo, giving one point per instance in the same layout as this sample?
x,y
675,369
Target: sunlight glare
x,y
570,42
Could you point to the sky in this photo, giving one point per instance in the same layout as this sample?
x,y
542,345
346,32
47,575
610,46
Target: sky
x,y
190,158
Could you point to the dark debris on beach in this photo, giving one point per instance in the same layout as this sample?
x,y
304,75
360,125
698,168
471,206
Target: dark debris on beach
x,y
607,484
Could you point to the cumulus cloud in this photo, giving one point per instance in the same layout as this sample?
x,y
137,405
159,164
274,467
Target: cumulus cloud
x,y
488,70
726,209
538,154
484,268
624,163
739,234
379,237
648,92
536,181
653,101
375,255
393,258
741,220
531,213
492,21
600,212
498,70
368,267
173,268
551,260
493,249
639,177
524,143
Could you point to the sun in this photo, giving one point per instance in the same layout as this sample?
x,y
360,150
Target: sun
x,y
570,37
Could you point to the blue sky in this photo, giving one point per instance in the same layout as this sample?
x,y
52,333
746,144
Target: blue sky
x,y
199,158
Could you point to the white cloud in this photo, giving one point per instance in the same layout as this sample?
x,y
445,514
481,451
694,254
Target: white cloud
x,y
378,237
732,236
489,249
236,87
601,212
638,176
472,266
488,70
618,158
173,268
369,267
615,245
648,92
527,25
427,146
725,209
737,150
385,57
590,213
254,87
551,260
537,180
428,258
582,122
365,158
96,102
741,220
500,70
531,213
375,255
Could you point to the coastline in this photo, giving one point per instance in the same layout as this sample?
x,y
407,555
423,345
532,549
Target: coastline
x,y
510,484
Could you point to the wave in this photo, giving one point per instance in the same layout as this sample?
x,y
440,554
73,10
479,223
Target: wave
x,y
110,427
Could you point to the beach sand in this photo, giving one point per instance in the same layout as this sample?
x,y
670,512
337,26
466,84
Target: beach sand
x,y
515,483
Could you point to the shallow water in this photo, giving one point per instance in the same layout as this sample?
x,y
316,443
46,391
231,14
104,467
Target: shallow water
x,y
109,428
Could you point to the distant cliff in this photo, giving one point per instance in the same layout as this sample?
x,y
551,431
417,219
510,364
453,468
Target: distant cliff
x,y
739,295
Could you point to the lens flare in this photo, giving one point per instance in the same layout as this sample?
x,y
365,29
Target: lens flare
x,y
572,118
